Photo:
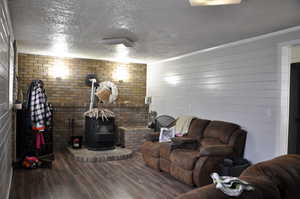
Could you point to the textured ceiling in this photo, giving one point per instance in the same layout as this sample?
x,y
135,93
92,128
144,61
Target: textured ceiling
x,y
161,28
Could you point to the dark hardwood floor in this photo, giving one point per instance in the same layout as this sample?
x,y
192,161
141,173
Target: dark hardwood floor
x,y
68,179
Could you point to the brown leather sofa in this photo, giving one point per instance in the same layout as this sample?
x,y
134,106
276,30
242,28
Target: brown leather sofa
x,y
278,178
151,148
193,165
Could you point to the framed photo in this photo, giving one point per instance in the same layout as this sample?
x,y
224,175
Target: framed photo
x,y
166,134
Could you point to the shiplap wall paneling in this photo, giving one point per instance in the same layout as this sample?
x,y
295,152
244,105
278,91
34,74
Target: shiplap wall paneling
x,y
5,114
238,83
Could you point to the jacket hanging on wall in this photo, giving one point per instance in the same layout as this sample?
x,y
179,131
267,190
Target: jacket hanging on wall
x,y
40,110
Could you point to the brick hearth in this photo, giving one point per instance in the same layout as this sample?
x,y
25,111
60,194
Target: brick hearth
x,y
84,155
133,137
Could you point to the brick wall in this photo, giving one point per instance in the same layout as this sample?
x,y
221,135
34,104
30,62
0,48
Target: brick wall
x,y
70,95
72,90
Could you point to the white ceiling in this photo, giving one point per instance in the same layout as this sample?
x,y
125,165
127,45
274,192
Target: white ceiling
x,y
162,28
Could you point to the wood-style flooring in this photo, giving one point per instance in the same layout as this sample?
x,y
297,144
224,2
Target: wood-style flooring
x,y
69,179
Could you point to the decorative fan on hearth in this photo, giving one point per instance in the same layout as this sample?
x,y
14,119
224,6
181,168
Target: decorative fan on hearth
x,y
107,92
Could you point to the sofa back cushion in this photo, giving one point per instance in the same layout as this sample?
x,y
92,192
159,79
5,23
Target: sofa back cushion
x,y
283,172
197,128
220,130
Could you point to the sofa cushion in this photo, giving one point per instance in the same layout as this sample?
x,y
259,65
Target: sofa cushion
x,y
184,158
150,149
151,162
181,174
165,150
164,165
220,130
197,127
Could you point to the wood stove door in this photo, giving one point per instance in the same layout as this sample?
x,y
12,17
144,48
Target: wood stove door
x,y
105,127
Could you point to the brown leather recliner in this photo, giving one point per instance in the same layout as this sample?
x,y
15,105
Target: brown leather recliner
x,y
151,148
193,165
219,140
278,178
196,130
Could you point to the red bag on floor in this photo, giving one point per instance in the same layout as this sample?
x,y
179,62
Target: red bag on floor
x,y
30,162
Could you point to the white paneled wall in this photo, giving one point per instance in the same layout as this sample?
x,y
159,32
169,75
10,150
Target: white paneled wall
x,y
239,82
5,111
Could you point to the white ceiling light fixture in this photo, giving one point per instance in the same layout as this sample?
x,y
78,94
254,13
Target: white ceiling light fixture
x,y
213,2
121,73
122,53
116,41
59,70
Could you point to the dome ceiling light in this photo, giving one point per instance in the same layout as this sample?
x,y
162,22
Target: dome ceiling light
x,y
213,2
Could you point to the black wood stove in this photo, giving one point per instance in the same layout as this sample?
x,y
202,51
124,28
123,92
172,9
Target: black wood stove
x,y
100,134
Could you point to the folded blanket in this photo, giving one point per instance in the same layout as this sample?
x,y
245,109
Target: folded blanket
x,y
183,125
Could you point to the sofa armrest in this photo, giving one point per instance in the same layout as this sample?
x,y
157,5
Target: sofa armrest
x,y
181,140
184,143
210,157
216,150
263,190
205,192
153,137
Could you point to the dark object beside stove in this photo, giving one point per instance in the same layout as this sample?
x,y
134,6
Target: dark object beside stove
x,y
100,134
76,142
